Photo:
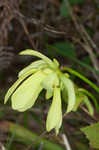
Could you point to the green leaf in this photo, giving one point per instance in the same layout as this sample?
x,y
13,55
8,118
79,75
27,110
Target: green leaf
x,y
69,86
54,117
79,100
26,94
39,64
65,49
28,137
92,133
92,97
89,105
15,85
64,9
69,53
38,54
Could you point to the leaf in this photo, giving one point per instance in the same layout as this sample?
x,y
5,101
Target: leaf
x,y
65,49
92,97
26,94
54,117
28,137
89,105
70,54
79,99
64,9
35,65
92,133
38,54
15,85
68,85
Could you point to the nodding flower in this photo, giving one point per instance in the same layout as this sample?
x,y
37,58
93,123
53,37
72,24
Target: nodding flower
x,y
45,74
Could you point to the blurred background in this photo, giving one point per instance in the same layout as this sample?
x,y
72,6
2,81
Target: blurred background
x,y
64,29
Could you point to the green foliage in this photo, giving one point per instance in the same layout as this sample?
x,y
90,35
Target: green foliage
x,y
67,49
27,137
46,74
64,10
64,49
92,133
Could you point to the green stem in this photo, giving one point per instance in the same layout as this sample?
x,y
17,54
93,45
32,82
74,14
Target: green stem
x,y
81,77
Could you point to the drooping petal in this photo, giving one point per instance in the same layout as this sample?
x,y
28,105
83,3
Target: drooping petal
x,y
38,54
35,66
55,112
69,86
15,85
27,93
58,125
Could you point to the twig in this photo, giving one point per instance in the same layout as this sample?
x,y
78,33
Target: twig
x,y
66,142
2,147
86,39
19,17
41,146
89,38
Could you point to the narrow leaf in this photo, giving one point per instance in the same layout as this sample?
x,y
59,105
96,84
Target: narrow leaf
x,y
89,105
92,97
79,100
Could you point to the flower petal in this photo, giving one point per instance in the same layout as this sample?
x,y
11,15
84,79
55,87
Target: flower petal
x,y
15,85
55,112
69,86
49,94
27,93
50,81
35,65
38,54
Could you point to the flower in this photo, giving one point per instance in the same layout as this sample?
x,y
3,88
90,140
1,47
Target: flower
x,y
45,74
